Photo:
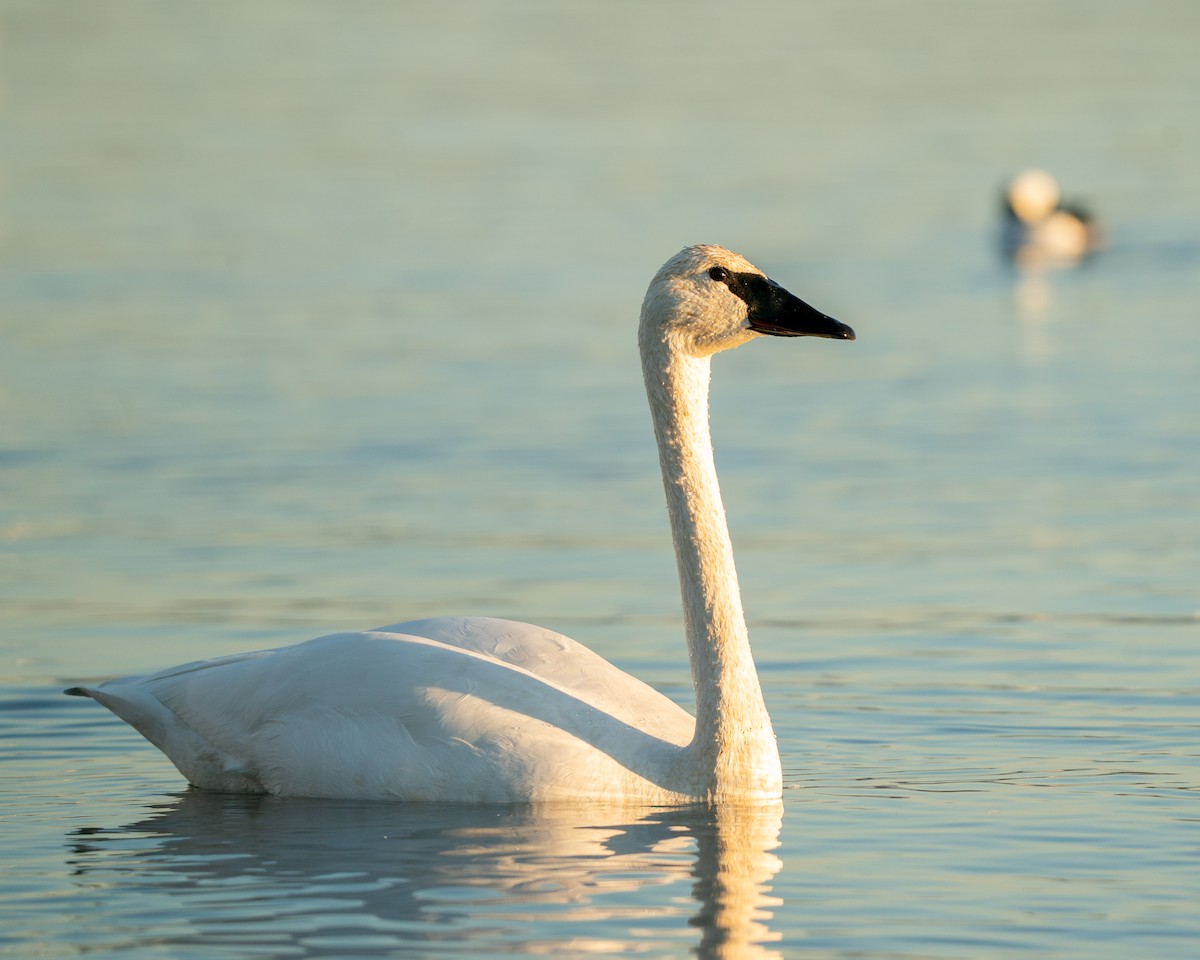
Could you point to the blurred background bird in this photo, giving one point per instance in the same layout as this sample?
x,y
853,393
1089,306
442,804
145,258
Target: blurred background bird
x,y
1041,231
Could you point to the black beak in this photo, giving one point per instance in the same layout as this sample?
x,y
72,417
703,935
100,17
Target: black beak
x,y
776,312
781,314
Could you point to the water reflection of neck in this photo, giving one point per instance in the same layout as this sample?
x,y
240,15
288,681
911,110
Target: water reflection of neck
x,y
734,866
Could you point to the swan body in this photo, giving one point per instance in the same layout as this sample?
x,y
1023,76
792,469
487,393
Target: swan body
x,y
473,709
1039,230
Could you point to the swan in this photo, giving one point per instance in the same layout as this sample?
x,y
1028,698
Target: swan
x,y
481,710
1038,230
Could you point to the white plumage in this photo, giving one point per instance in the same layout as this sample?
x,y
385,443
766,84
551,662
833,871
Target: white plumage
x,y
474,709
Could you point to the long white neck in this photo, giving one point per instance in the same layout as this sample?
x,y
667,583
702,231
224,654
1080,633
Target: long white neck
x,y
733,754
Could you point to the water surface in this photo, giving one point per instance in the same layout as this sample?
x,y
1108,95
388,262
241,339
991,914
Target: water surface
x,y
322,316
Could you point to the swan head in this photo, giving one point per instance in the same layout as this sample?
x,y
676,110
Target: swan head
x,y
706,298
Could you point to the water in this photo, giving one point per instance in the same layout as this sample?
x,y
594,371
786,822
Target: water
x,y
319,316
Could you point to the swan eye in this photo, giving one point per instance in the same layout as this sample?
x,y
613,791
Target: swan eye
x,y
720,274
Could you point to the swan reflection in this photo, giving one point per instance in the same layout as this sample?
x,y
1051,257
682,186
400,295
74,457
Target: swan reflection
x,y
327,878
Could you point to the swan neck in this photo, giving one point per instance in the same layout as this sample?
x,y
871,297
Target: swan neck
x,y
734,747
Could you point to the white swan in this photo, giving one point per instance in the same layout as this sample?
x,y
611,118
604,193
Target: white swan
x,y
479,710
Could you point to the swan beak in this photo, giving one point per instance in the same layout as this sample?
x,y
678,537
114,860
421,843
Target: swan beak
x,y
778,313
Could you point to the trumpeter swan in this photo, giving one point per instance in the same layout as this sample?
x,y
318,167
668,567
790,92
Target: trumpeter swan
x,y
473,709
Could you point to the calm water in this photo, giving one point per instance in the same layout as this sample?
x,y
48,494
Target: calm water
x,y
320,316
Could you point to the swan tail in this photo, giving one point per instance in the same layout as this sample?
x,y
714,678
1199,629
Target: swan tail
x,y
203,764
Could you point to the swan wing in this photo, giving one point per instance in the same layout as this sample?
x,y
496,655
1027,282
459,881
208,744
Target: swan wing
x,y
544,653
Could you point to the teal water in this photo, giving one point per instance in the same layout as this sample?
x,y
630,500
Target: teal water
x,y
319,316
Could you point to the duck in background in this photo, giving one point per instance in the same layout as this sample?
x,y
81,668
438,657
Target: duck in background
x,y
1039,230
